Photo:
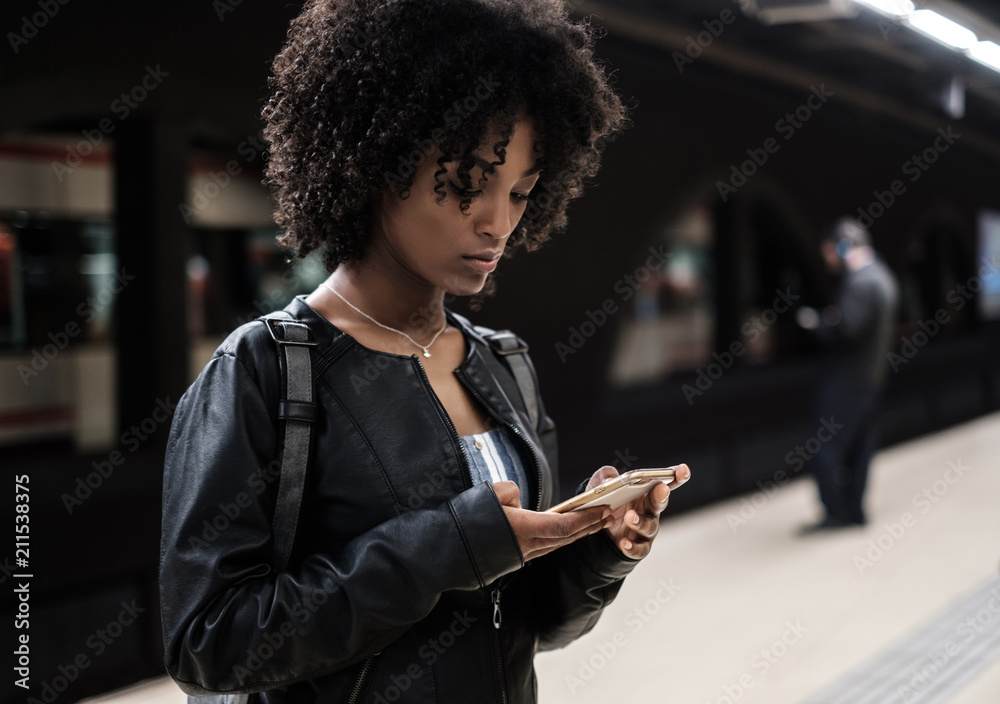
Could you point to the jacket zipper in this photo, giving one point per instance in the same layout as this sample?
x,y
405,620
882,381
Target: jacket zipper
x,y
359,683
494,593
495,637
456,440
497,616
517,431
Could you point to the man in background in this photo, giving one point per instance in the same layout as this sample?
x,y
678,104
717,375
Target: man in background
x,y
856,332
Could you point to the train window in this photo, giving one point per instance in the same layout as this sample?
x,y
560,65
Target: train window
x,y
58,281
669,325
238,275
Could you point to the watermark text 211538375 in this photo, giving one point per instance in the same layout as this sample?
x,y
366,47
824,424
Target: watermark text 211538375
x,y
22,580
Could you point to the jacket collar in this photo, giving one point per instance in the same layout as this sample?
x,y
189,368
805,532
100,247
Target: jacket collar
x,y
478,365
328,335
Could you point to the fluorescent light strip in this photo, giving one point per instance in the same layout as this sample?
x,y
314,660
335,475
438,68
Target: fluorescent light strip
x,y
941,29
890,8
986,53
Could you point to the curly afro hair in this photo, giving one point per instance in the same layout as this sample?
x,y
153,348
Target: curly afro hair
x,y
364,90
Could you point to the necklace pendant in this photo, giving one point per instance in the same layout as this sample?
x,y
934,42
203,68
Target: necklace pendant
x,y
426,353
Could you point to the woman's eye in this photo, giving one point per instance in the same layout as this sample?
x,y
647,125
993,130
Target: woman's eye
x,y
463,192
520,197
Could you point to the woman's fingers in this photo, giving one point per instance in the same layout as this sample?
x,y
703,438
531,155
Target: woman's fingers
x,y
602,475
540,533
645,525
568,526
633,527
508,493
681,474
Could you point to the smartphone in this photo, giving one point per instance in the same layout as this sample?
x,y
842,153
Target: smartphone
x,y
617,491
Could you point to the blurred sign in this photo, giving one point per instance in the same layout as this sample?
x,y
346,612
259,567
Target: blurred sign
x,y
989,264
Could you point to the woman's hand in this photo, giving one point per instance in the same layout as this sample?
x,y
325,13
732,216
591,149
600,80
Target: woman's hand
x,y
635,525
539,533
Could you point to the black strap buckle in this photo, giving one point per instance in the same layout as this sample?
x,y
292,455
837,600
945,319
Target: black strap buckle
x,y
282,340
507,343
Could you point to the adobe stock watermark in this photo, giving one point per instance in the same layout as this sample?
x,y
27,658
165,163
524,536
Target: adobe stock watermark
x,y
30,26
429,653
219,180
436,478
6,569
88,309
426,320
224,7
103,469
894,531
229,512
453,117
625,287
624,460
544,193
914,167
697,44
97,643
634,621
705,377
900,8
762,663
271,642
969,634
958,297
787,126
290,279
122,107
796,458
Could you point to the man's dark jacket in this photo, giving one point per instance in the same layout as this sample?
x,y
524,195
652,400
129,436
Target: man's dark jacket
x,y
401,567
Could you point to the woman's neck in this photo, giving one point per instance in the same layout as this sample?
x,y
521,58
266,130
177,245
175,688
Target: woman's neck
x,y
393,298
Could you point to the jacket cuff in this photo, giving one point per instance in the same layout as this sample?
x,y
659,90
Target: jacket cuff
x,y
600,554
486,532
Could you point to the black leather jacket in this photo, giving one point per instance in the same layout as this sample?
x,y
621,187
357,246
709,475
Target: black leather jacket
x,y
406,582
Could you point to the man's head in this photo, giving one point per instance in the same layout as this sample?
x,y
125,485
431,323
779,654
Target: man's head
x,y
845,236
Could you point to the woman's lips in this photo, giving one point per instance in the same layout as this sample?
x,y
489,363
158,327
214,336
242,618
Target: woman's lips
x,y
483,266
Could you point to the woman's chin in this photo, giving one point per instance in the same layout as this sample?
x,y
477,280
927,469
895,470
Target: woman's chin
x,y
466,287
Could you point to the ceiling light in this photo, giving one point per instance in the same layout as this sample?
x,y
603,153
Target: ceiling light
x,y
941,29
890,8
986,53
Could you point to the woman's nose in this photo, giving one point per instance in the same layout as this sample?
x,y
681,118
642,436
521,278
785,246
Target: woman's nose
x,y
493,217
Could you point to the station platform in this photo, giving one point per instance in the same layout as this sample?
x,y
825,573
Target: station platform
x,y
732,605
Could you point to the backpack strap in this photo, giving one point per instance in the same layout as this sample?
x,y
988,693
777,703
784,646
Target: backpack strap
x,y
515,351
299,411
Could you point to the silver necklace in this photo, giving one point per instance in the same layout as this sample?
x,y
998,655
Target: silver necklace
x,y
426,348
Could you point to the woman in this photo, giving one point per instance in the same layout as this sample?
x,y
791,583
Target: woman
x,y
414,142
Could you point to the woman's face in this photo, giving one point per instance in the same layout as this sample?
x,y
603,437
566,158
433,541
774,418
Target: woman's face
x,y
435,243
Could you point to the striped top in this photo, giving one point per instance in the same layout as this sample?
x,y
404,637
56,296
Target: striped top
x,y
494,456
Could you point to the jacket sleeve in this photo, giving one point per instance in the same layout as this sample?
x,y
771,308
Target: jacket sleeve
x,y
860,308
575,582
231,623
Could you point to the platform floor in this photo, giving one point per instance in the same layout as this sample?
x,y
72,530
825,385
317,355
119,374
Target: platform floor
x,y
905,610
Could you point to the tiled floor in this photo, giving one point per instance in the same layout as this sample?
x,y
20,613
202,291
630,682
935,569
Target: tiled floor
x,y
724,611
